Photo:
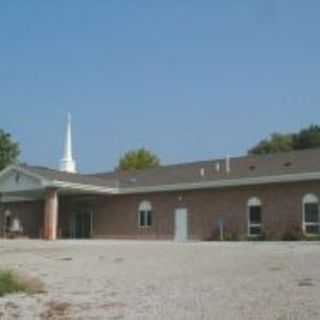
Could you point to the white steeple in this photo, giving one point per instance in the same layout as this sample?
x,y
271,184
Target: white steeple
x,y
67,163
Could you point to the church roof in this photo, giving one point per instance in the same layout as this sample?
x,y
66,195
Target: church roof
x,y
295,166
52,174
286,163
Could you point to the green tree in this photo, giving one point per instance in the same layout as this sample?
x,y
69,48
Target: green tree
x,y
138,159
277,142
307,138
9,150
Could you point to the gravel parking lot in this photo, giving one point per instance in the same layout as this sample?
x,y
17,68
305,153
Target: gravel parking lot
x,y
165,280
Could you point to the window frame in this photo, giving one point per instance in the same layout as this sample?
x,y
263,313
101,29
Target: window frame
x,y
252,203
145,215
310,198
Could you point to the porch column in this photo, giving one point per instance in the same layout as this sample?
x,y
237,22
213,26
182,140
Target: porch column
x,y
51,214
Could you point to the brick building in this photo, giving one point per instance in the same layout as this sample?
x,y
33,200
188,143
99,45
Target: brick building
x,y
253,196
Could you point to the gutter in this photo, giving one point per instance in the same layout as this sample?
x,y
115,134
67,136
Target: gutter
x,y
223,183
82,187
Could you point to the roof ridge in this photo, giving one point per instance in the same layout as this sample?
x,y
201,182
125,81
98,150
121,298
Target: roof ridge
x,y
220,159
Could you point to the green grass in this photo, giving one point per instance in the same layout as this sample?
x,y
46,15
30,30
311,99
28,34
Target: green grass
x,y
309,237
11,282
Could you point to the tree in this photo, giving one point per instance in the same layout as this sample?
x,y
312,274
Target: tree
x,y
9,150
277,142
138,159
306,138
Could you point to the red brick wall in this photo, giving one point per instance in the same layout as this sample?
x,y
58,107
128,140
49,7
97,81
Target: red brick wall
x,y
116,217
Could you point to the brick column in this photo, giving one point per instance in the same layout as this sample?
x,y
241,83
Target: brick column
x,y
51,215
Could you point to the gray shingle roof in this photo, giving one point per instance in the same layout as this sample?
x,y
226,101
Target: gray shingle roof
x,y
296,162
52,174
241,167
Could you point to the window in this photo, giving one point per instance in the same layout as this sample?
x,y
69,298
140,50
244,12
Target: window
x,y
254,217
311,221
145,214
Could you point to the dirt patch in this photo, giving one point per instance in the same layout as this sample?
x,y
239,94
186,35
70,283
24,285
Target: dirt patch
x,y
34,285
10,310
57,311
113,306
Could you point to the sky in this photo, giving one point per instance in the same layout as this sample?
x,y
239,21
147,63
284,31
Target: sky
x,y
188,79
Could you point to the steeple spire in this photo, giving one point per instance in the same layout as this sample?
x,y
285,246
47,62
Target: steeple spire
x,y
67,163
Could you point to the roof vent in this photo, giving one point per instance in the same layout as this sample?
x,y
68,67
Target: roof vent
x,y
288,164
202,172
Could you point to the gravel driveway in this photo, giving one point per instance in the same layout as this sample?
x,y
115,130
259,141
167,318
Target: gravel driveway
x,y
165,280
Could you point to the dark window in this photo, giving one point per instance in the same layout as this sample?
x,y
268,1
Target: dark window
x,y
255,220
255,230
311,211
311,217
255,215
145,218
141,219
149,218
312,229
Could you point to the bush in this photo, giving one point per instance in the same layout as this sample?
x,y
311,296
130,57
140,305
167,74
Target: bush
x,y
308,237
11,282
228,236
256,238
291,236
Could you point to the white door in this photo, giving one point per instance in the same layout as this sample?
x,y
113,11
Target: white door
x,y
181,225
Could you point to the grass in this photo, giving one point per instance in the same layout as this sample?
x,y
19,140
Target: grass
x,y
12,282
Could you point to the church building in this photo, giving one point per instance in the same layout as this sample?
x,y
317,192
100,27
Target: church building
x,y
270,196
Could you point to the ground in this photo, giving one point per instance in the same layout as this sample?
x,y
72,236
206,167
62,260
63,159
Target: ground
x,y
165,280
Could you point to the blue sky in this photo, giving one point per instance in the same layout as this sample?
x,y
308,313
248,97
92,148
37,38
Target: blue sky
x,y
188,79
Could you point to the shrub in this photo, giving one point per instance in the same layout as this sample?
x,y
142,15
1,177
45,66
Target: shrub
x,y
228,236
243,237
309,237
11,282
260,237
291,235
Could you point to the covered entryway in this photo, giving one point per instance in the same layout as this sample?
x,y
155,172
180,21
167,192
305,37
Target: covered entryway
x,y
34,194
27,194
181,225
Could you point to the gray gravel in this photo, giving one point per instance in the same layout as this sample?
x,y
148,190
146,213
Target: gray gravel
x,y
165,280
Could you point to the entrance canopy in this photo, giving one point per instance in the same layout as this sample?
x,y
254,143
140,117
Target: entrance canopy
x,y
24,183
21,183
